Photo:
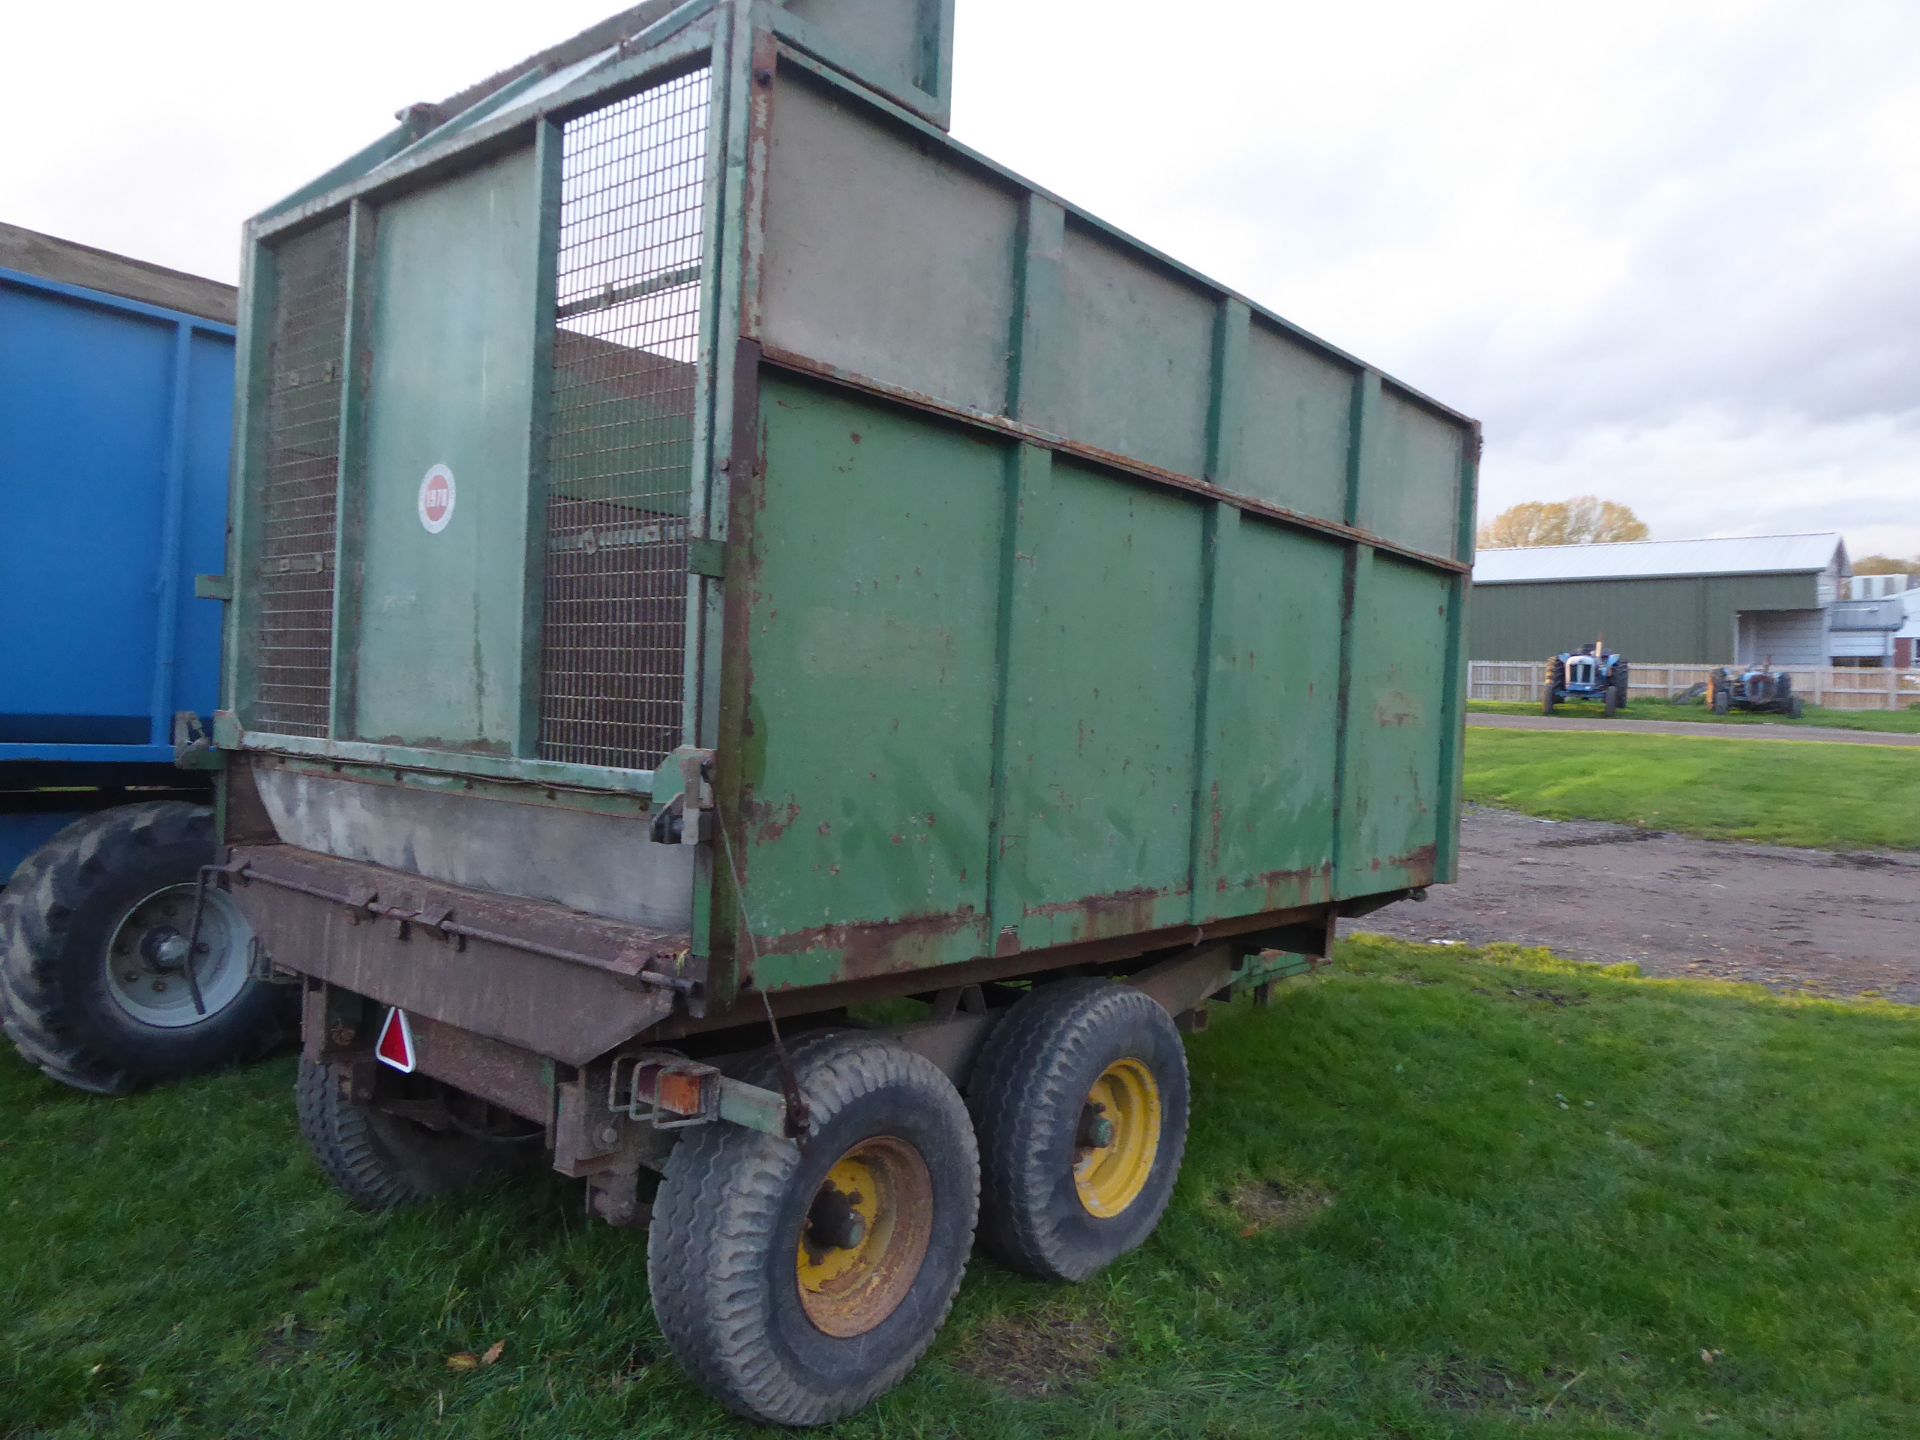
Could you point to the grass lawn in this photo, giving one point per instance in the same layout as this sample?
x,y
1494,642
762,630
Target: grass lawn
x,y
1828,797
1432,1194
1886,722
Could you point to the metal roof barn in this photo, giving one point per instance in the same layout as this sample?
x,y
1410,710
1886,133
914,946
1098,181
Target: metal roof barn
x,y
1743,598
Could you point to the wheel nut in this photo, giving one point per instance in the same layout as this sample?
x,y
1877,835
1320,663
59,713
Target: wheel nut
x,y
158,986
1100,1132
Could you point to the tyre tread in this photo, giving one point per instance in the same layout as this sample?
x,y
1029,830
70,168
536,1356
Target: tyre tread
x,y
42,901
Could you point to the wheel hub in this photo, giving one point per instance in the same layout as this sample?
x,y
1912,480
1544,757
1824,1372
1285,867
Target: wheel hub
x,y
1118,1138
865,1236
146,958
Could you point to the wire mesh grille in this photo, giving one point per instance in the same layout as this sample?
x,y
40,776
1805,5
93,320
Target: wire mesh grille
x,y
620,462
294,574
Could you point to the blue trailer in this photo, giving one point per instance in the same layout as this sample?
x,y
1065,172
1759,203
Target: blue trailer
x,y
116,409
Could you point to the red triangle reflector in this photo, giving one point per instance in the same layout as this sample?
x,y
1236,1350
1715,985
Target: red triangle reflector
x,y
395,1046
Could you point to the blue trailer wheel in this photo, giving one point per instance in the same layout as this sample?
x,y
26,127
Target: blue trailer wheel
x,y
94,984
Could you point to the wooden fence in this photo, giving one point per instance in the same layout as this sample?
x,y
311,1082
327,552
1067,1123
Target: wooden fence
x,y
1836,688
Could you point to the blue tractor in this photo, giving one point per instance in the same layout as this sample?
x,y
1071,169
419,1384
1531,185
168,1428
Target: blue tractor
x,y
116,405
1760,690
1591,672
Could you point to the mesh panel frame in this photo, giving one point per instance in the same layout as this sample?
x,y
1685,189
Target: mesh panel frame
x,y
621,422
298,497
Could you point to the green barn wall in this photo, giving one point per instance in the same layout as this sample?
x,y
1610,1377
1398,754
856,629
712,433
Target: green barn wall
x,y
1670,618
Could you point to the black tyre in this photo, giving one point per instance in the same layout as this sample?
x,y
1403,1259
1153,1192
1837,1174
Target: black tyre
x,y
381,1161
93,939
1621,684
1546,701
1610,703
797,1284
1080,1100
1796,707
1721,702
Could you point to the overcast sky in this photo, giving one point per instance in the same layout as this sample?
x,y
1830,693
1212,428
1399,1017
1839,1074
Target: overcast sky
x,y
1669,253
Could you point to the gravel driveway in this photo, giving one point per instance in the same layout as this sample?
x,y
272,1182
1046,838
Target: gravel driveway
x,y
1841,924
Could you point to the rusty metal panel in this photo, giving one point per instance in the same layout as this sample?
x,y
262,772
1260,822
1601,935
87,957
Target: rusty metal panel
x,y
312,914
880,259
295,500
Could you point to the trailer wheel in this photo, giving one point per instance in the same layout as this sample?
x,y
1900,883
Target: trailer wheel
x,y
381,1161
796,1284
92,988
1080,1102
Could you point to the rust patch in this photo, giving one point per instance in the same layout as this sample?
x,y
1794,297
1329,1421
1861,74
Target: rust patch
x,y
1040,1353
770,820
1395,710
878,947
1122,913
1416,862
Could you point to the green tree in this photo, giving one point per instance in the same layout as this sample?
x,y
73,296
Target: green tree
x,y
1583,520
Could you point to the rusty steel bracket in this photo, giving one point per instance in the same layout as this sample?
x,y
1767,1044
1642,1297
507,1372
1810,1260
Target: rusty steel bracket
x,y
670,1092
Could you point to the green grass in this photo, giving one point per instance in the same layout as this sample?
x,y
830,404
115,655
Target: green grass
x,y
1826,797
1503,1197
1885,722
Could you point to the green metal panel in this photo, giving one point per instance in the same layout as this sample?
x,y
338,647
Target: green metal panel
x,y
1051,593
1414,491
1273,709
1682,619
1295,441
869,717
1396,718
1100,717
440,652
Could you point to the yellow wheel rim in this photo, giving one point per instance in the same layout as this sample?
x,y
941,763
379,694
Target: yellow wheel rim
x,y
865,1236
1118,1138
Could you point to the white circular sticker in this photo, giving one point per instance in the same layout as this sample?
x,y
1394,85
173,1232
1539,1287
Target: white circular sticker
x,y
436,499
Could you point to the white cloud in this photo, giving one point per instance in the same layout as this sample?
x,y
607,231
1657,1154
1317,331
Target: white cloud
x,y
1660,249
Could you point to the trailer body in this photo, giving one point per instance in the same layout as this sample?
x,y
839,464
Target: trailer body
x,y
710,551
1026,590
116,402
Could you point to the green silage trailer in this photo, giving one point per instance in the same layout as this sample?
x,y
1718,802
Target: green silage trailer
x,y
712,553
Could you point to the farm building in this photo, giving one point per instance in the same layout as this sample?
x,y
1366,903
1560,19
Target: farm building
x,y
1743,599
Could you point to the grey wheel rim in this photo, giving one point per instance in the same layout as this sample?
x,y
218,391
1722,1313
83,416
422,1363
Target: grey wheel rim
x,y
146,957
